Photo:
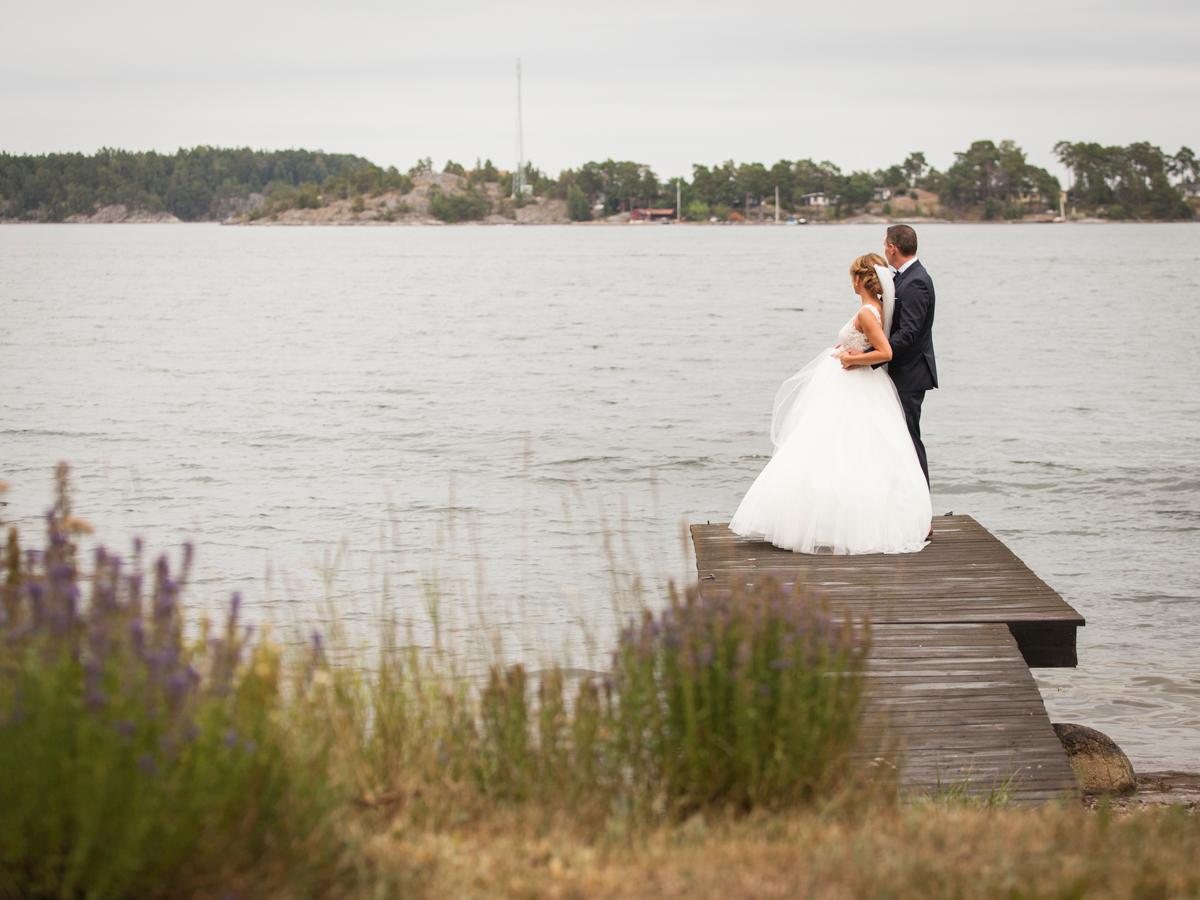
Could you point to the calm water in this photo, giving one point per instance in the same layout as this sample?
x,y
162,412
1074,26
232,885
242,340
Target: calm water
x,y
479,407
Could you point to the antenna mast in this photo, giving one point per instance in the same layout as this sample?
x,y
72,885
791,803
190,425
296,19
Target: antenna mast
x,y
519,176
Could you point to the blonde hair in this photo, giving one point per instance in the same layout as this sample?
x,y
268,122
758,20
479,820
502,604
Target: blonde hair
x,y
863,268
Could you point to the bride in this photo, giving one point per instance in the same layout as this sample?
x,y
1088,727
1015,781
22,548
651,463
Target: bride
x,y
844,477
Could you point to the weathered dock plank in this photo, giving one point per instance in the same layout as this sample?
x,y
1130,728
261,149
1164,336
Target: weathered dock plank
x,y
965,575
955,630
968,715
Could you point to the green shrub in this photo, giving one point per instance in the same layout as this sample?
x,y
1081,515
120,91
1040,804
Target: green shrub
x,y
696,211
308,196
462,207
747,697
579,209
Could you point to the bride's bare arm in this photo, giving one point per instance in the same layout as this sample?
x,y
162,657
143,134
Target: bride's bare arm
x,y
869,325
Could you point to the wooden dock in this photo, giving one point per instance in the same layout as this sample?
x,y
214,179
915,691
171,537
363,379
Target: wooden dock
x,y
955,629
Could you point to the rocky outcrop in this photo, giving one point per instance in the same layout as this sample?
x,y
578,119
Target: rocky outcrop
x,y
232,207
1101,767
119,212
411,208
544,211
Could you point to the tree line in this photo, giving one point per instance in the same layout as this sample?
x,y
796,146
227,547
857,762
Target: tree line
x,y
987,180
202,183
1135,182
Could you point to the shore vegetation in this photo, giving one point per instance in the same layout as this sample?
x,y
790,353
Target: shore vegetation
x,y
143,754
988,181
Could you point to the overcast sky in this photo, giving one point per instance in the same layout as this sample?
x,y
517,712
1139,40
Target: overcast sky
x,y
667,83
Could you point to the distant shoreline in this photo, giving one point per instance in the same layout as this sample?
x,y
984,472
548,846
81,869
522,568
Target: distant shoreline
x,y
608,224
988,181
447,199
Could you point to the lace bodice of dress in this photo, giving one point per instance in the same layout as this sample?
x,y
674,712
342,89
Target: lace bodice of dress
x,y
851,338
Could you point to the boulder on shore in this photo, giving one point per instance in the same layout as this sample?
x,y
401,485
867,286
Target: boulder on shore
x,y
1101,767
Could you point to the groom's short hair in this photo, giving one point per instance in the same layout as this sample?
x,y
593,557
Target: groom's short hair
x,y
904,238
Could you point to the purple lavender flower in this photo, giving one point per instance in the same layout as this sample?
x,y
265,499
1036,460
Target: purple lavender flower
x,y
71,604
177,686
135,593
37,609
318,647
164,598
137,635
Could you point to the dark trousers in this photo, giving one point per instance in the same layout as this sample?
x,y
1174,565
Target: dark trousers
x,y
911,401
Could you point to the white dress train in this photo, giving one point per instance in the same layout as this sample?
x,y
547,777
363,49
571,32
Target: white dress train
x,y
844,477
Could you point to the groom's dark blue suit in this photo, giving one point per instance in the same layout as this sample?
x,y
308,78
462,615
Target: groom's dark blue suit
x,y
913,368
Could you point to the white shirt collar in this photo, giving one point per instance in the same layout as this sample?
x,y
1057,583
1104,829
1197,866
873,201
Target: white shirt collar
x,y
906,266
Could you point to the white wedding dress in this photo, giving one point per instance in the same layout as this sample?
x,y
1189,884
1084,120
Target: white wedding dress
x,y
844,477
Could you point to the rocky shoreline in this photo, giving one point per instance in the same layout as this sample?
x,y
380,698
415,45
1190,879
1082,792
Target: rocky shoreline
x,y
119,213
535,213
414,208
1154,789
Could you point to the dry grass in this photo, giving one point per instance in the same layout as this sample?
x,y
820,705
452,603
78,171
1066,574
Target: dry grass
x,y
878,852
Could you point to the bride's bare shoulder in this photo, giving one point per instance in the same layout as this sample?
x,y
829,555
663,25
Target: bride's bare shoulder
x,y
868,313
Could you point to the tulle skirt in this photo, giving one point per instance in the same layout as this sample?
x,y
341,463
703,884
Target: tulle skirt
x,y
844,477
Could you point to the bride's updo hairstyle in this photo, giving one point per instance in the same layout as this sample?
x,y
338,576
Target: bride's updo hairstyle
x,y
863,269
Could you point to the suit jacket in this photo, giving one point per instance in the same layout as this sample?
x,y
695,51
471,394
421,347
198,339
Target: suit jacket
x,y
913,367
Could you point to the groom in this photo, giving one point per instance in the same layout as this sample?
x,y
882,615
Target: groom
x,y
913,368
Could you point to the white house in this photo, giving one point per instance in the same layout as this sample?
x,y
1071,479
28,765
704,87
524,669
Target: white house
x,y
815,199
883,193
